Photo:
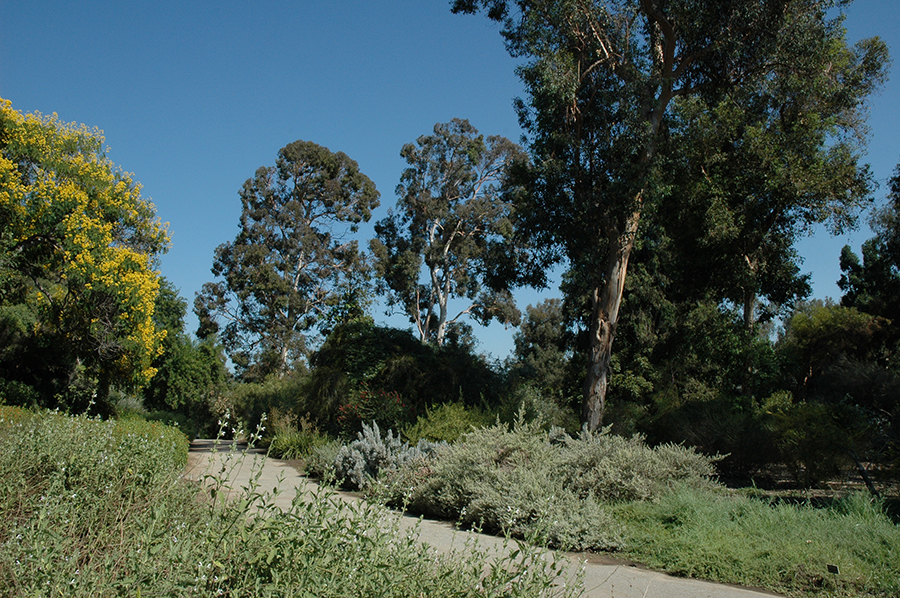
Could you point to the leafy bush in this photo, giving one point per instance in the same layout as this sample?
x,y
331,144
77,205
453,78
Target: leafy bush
x,y
360,355
358,464
812,441
77,519
293,438
446,422
526,481
250,400
320,462
534,404
385,408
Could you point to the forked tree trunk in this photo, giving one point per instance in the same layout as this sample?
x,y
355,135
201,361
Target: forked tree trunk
x,y
606,300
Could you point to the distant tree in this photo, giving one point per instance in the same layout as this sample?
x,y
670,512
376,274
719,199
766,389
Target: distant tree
x,y
292,261
190,374
602,79
873,284
452,228
543,348
77,249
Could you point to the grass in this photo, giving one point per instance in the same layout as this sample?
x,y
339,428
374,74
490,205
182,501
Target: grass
x,y
655,506
780,546
94,508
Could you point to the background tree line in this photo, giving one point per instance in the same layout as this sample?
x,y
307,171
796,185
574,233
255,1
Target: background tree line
x,y
673,153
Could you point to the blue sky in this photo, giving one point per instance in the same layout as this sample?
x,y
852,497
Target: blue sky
x,y
194,96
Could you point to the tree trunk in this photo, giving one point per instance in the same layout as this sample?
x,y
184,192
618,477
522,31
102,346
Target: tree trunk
x,y
606,300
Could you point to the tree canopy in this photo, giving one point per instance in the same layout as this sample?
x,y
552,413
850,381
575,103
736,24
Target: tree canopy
x,y
293,259
451,233
77,250
602,81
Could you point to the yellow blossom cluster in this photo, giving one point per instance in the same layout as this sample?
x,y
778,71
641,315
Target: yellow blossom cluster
x,y
77,227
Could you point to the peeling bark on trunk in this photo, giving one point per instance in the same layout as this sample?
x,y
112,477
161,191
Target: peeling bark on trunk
x,y
606,300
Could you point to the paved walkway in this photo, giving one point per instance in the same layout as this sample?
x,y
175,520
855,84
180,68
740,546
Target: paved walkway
x,y
603,578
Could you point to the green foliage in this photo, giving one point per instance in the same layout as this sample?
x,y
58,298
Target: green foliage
x,y
358,464
446,422
779,546
190,375
813,440
527,481
292,437
544,407
361,356
453,228
292,260
378,407
97,509
249,401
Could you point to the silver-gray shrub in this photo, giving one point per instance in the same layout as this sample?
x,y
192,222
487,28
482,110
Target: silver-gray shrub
x,y
358,464
529,482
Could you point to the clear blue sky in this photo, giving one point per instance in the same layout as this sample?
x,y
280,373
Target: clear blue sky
x,y
194,96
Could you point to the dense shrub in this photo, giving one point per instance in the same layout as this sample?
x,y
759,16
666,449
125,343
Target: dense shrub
x,y
358,464
248,401
90,509
526,481
360,356
387,409
446,422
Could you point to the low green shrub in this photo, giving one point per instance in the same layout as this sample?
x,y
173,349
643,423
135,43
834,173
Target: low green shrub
x,y
293,438
446,422
87,510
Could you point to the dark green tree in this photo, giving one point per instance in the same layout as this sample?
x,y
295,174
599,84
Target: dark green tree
x,y
190,374
602,79
765,163
873,284
292,261
450,236
543,348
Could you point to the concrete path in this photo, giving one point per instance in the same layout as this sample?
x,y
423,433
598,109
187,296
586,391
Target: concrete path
x,y
603,577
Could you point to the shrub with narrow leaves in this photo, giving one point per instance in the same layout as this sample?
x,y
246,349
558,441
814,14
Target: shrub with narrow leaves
x,y
359,463
526,481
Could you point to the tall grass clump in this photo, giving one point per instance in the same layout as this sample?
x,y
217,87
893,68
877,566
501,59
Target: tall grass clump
x,y
293,437
94,509
783,546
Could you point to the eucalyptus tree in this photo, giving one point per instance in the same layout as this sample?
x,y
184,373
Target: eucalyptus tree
x,y
602,78
293,259
451,234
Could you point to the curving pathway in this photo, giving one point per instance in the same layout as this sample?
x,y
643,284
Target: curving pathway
x,y
603,577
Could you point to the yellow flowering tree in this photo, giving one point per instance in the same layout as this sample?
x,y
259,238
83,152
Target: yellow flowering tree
x,y
77,250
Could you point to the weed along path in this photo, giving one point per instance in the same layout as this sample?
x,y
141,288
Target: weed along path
x,y
280,481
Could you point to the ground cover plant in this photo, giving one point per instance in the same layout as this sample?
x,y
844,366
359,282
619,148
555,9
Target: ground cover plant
x,y
778,545
658,506
101,508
